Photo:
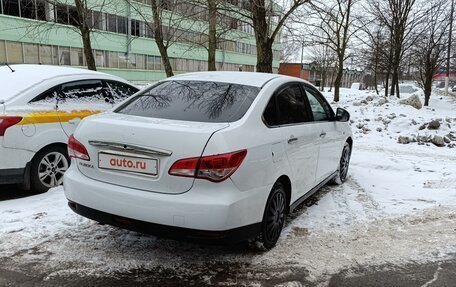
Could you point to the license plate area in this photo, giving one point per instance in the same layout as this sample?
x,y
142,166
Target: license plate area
x,y
128,163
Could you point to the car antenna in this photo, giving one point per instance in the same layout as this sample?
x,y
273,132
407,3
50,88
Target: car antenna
x,y
12,71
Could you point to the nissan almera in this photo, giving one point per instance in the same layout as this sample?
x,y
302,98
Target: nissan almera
x,y
218,155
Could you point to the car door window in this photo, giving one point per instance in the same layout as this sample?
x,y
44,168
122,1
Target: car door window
x,y
50,96
320,108
288,106
87,91
120,91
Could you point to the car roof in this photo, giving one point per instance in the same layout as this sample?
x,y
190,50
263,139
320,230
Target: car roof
x,y
25,76
241,78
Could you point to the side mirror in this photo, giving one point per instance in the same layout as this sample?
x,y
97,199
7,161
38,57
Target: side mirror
x,y
342,115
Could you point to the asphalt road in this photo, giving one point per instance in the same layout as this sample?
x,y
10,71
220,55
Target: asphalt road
x,y
425,275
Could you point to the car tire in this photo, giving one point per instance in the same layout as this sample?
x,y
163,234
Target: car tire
x,y
344,163
48,167
273,219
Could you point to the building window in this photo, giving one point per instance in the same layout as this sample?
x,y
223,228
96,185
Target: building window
x,y
99,58
64,56
149,31
154,63
113,60
42,10
140,62
61,14
121,25
73,16
2,52
131,61
97,20
11,7
112,22
45,54
28,9
31,54
135,28
14,52
76,57
122,61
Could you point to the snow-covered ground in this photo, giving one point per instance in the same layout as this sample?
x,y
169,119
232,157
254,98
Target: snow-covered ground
x,y
398,206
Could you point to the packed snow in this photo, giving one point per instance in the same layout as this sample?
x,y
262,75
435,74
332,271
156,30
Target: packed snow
x,y
397,206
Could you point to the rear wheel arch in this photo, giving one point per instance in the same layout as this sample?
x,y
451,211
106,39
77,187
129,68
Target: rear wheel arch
x,y
350,142
61,144
285,181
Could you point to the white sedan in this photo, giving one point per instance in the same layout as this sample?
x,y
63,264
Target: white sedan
x,y
218,155
40,107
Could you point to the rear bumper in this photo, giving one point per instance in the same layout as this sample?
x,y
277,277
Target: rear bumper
x,y
223,237
207,207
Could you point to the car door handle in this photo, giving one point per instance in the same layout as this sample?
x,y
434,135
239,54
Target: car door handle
x,y
322,134
292,139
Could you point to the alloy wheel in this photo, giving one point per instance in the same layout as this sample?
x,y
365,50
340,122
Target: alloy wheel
x,y
51,169
344,162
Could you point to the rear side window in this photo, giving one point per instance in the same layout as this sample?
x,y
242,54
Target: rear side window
x,y
199,101
286,107
50,96
120,91
85,91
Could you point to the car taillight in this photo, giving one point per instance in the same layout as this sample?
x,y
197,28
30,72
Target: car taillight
x,y
6,122
77,149
215,168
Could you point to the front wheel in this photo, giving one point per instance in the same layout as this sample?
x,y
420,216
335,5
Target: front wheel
x,y
342,171
48,167
273,218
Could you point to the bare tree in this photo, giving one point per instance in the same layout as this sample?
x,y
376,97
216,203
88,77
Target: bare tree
x,y
325,60
401,17
85,29
175,21
429,50
331,24
162,43
267,18
212,45
219,25
375,50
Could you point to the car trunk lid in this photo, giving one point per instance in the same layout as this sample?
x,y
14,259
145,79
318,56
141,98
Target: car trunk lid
x,y
137,152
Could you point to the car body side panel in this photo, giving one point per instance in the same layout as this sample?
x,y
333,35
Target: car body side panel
x,y
329,139
43,135
13,157
302,156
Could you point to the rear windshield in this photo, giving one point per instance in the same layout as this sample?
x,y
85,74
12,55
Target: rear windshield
x,y
197,101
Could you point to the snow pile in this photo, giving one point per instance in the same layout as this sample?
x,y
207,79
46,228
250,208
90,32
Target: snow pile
x,y
383,119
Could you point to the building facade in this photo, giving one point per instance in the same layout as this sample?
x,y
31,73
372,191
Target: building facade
x,y
45,32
